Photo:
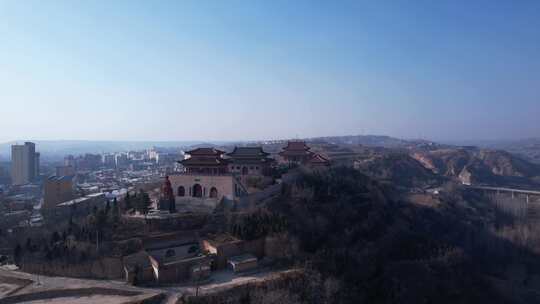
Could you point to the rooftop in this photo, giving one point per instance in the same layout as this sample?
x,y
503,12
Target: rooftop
x,y
205,151
318,159
220,239
170,240
81,199
248,152
244,258
296,146
204,161
61,178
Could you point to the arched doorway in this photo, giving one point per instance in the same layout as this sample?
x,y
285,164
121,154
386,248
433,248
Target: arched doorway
x,y
213,192
197,190
181,191
244,170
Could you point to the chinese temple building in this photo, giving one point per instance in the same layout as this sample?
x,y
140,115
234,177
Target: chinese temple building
x,y
205,161
318,161
206,176
250,161
296,152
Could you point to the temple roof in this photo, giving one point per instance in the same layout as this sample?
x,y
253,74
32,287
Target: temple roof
x,y
297,146
205,151
248,152
206,161
319,159
249,155
204,157
252,161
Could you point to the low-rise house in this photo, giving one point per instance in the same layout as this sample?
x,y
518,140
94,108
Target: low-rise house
x,y
170,258
177,269
226,246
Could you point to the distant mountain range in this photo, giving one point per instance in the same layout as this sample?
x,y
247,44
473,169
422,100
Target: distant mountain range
x,y
53,149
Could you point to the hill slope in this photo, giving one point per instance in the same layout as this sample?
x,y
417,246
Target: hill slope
x,y
399,169
365,245
480,166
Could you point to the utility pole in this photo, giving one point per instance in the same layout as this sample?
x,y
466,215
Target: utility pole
x,y
198,279
38,281
97,240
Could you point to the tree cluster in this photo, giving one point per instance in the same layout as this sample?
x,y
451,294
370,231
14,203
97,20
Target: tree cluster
x,y
257,225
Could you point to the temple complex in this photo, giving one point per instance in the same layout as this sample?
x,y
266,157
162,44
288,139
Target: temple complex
x,y
250,161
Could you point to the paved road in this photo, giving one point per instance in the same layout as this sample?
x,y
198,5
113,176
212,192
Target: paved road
x,y
220,280
503,189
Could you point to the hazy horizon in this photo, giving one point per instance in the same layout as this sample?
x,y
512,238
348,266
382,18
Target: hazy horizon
x,y
237,70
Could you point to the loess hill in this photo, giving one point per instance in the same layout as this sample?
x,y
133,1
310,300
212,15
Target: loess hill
x,y
480,166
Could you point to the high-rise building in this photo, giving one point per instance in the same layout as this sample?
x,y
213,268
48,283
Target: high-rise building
x,y
122,160
36,163
109,160
65,170
57,189
24,163
69,161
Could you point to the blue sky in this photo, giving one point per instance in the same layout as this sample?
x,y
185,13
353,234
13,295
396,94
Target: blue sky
x,y
229,70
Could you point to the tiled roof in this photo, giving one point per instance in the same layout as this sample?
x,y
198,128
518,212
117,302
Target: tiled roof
x,y
296,146
220,239
319,159
248,152
252,160
205,151
205,161
295,153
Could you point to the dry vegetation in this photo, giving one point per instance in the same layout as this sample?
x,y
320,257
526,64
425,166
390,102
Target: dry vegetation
x,y
359,242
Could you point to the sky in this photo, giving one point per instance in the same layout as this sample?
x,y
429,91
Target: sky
x,y
244,70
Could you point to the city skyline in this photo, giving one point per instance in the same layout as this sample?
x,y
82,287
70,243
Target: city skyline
x,y
233,71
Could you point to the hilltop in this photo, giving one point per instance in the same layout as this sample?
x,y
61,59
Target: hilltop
x,y
399,169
